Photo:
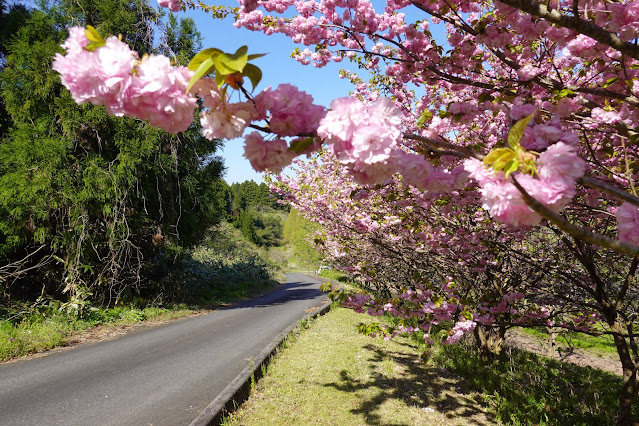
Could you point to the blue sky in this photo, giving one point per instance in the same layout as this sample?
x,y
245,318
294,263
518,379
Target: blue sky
x,y
277,67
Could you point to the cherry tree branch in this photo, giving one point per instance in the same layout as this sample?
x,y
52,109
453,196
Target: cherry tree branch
x,y
466,153
576,24
573,230
609,189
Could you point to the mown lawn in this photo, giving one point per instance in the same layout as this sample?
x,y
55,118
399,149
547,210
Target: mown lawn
x,y
330,374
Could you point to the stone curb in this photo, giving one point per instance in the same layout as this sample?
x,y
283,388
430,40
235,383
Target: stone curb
x,y
239,389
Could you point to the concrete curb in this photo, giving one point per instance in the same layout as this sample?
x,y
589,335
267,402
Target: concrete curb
x,y
239,389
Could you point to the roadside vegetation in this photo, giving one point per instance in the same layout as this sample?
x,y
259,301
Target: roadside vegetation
x,y
236,259
570,339
331,374
223,269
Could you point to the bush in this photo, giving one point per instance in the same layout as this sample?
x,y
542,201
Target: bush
x,y
208,276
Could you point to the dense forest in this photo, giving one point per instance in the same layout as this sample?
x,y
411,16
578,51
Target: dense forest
x,y
94,207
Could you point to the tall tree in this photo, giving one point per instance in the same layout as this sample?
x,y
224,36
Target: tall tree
x,y
95,195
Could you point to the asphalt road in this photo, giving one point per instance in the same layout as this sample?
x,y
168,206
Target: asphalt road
x,y
164,375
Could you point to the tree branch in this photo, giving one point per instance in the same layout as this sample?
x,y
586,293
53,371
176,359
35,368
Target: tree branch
x,y
576,24
573,230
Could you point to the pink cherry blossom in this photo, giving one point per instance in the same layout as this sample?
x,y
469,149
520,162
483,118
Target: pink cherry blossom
x,y
172,5
289,110
267,155
360,133
561,162
158,94
628,223
100,77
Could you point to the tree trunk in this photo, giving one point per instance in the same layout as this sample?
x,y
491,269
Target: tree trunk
x,y
490,341
629,387
549,350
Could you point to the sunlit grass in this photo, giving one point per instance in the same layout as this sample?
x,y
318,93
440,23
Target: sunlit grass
x,y
570,339
332,375
47,327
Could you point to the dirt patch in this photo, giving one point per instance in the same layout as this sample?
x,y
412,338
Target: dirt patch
x,y
600,361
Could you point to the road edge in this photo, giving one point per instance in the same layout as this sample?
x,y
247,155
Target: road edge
x,y
239,389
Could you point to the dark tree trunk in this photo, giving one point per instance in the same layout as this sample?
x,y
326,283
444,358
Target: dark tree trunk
x,y
628,393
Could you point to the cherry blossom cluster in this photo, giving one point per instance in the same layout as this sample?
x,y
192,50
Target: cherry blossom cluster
x,y
559,167
112,75
365,229
627,216
172,5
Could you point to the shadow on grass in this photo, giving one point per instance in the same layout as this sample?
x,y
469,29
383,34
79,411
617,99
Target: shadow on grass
x,y
416,384
524,388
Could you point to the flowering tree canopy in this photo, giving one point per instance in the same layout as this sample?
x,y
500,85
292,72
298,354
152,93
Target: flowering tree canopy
x,y
451,155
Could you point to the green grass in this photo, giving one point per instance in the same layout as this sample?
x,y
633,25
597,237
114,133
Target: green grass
x,y
38,329
572,339
330,374
332,274
26,329
523,388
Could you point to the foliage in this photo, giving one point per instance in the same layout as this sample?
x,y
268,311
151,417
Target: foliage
x,y
101,195
249,194
298,231
223,269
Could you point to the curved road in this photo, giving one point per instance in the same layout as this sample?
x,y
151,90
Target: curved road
x,y
164,375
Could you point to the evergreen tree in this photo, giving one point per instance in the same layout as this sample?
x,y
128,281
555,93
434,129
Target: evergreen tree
x,y
95,196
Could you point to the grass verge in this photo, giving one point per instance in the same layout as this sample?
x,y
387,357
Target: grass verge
x,y
524,388
31,328
570,339
44,327
330,374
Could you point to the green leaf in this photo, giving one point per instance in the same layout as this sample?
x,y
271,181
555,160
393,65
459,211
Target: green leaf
x,y
565,92
92,34
255,56
495,154
219,78
201,57
517,131
424,117
437,300
301,145
610,82
511,166
229,64
95,39
503,161
253,73
204,68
